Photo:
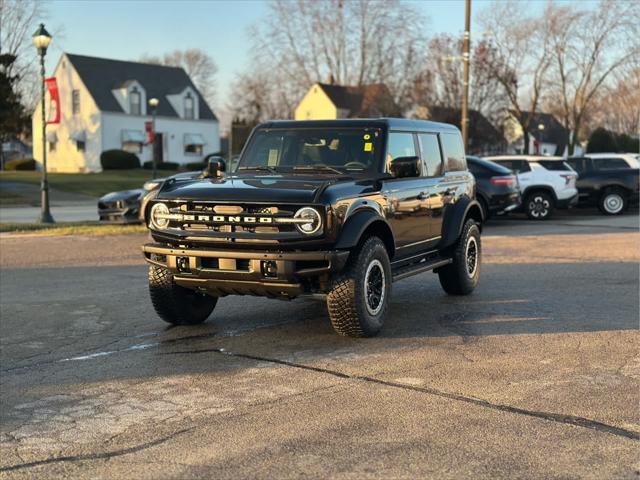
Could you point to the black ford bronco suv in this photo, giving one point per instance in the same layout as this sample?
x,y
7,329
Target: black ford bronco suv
x,y
335,209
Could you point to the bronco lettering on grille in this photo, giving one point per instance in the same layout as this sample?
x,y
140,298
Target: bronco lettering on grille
x,y
231,219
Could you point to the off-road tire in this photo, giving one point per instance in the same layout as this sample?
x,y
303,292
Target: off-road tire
x,y
456,278
613,201
175,304
349,308
539,205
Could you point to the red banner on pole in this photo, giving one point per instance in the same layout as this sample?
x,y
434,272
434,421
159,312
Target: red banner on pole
x,y
148,128
54,101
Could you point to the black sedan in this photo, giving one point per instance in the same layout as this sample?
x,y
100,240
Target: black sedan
x,y
120,207
496,187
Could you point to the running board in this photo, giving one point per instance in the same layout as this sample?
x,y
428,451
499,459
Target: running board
x,y
420,267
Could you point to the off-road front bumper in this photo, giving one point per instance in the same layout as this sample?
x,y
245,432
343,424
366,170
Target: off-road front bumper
x,y
240,272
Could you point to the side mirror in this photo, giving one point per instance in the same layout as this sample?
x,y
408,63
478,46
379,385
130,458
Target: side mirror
x,y
216,167
401,167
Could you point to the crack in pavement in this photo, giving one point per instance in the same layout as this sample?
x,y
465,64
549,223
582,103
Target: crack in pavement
x,y
565,419
96,456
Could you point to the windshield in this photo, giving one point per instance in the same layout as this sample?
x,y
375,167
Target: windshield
x,y
313,150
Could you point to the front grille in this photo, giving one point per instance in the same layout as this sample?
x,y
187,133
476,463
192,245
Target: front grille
x,y
240,222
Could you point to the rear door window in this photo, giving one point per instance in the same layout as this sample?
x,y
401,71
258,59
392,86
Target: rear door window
x,y
515,165
430,154
554,165
453,152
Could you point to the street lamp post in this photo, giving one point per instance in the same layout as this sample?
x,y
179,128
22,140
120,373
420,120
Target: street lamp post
x,y
541,130
42,39
153,103
466,47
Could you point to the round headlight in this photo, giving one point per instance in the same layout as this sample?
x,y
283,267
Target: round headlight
x,y
158,216
313,221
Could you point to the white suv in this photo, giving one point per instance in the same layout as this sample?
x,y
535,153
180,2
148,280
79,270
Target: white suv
x,y
546,183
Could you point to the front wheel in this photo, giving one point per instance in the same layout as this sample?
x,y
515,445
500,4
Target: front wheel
x,y
175,304
613,202
539,206
461,276
359,297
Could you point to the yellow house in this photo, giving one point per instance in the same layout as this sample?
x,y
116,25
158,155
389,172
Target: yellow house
x,y
329,102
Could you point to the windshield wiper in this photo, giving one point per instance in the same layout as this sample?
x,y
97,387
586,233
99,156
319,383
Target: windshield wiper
x,y
260,168
316,168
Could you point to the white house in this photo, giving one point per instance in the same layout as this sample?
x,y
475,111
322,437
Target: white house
x,y
547,136
104,105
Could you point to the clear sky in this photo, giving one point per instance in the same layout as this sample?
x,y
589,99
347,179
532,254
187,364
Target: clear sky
x,y
127,29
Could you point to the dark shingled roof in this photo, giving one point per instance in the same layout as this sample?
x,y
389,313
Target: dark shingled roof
x,y
553,131
101,75
365,101
481,131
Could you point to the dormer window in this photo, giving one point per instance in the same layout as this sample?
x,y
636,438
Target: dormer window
x,y
189,110
134,102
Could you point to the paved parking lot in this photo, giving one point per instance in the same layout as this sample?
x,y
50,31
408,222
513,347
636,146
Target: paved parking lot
x,y
535,375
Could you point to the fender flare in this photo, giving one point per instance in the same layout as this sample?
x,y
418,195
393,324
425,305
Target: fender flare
x,y
545,188
356,225
455,218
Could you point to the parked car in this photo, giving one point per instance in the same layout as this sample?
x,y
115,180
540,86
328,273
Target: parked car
x,y
120,207
545,183
612,161
608,181
332,209
132,206
496,187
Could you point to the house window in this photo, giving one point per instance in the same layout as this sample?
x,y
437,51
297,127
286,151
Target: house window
x,y
81,145
133,147
189,112
193,144
134,102
193,149
75,101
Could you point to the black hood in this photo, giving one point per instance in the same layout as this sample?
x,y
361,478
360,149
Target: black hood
x,y
250,188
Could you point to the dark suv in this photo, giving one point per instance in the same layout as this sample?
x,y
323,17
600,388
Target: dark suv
x,y
335,209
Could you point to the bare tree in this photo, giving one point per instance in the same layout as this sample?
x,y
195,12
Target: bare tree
x,y
440,82
588,47
520,59
18,20
198,65
354,42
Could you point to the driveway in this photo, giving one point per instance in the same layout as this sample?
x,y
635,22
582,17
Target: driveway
x,y
535,375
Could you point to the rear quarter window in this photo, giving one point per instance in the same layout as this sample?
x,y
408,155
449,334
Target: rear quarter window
x,y
609,163
453,152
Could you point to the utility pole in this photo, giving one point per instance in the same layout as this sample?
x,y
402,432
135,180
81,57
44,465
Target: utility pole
x,y
465,58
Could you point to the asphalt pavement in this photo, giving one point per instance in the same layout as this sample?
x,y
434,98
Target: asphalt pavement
x,y
535,375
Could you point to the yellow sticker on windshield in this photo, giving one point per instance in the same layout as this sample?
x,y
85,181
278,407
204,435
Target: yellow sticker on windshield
x,y
368,146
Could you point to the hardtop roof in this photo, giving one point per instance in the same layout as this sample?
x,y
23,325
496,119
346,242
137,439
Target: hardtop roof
x,y
397,124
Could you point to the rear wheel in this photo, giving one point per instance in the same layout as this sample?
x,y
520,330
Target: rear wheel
x,y
462,275
539,205
175,304
613,201
359,297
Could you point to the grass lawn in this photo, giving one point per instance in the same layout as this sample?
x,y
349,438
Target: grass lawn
x,y
93,184
72,228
